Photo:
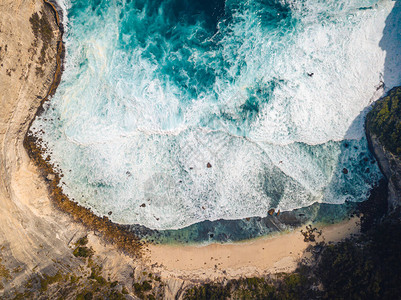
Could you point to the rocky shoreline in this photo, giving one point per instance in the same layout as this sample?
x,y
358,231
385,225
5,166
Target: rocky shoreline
x,y
119,235
389,163
50,259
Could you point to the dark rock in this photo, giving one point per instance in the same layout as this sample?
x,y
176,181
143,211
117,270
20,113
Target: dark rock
x,y
143,205
345,171
209,165
317,249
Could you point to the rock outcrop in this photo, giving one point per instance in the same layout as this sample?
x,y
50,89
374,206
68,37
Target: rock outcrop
x,y
383,124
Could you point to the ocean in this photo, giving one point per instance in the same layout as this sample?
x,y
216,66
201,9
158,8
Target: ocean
x,y
172,113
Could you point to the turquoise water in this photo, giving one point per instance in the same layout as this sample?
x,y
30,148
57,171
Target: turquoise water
x,y
173,112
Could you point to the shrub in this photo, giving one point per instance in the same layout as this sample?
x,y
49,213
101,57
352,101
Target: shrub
x,y
384,120
83,252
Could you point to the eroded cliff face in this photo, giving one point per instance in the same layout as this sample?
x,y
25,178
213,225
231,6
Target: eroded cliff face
x,y
382,131
28,238
390,166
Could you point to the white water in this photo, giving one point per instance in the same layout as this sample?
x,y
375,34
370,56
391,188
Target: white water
x,y
124,131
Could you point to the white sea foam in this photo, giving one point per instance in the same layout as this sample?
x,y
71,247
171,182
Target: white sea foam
x,y
124,134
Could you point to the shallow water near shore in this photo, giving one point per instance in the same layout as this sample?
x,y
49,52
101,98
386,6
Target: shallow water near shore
x,y
229,231
172,114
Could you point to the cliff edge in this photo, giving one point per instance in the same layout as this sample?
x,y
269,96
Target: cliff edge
x,y
383,131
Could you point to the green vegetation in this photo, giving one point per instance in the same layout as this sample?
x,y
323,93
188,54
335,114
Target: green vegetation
x,y
85,296
209,291
82,241
124,291
287,286
365,267
47,280
70,286
42,31
96,275
148,286
81,250
141,288
95,294
4,272
384,120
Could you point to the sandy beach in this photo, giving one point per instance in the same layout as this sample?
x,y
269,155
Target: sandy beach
x,y
35,237
268,255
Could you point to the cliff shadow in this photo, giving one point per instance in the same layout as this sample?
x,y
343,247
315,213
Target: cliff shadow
x,y
375,205
391,44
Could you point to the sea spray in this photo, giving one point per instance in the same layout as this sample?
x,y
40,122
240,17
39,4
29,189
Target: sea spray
x,y
170,112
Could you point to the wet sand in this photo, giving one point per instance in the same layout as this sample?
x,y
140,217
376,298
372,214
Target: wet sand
x,y
268,255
